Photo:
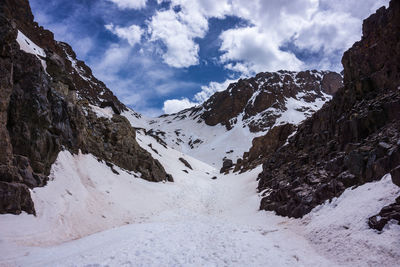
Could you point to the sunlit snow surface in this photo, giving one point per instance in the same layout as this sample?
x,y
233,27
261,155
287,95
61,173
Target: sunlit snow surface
x,y
89,216
216,141
30,47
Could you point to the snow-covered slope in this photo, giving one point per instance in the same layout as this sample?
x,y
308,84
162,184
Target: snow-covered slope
x,y
195,221
209,144
92,214
225,125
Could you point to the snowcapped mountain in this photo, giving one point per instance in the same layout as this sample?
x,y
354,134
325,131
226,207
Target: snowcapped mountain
x,y
225,125
95,183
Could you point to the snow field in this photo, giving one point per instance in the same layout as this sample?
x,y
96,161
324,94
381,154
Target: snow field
x,y
89,216
216,140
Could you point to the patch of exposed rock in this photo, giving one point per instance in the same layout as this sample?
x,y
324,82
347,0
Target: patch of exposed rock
x,y
186,163
226,165
353,139
264,146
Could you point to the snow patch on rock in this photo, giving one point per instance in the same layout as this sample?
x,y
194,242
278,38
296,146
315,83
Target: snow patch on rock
x,y
28,46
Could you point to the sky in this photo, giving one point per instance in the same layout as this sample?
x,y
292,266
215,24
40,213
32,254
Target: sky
x,y
161,56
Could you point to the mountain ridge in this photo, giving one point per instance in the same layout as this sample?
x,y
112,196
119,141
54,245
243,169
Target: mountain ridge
x,y
250,108
46,108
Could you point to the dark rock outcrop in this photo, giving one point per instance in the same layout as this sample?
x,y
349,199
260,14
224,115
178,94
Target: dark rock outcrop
x,y
59,56
226,165
265,95
391,212
186,163
354,138
264,146
41,116
396,175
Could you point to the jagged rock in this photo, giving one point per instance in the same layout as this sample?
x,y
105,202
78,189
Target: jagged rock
x,y
40,114
184,161
390,212
226,165
267,90
15,197
395,173
353,139
112,105
331,82
264,146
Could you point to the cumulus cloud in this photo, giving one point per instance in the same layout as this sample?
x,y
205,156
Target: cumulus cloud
x,y
148,83
177,30
132,34
175,105
324,27
210,89
130,4
251,50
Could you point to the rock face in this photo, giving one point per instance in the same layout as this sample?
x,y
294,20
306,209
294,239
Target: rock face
x,y
262,99
78,76
226,165
45,110
264,146
391,212
353,139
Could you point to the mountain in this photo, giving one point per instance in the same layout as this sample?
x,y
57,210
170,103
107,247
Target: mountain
x,y
47,101
353,139
284,168
245,110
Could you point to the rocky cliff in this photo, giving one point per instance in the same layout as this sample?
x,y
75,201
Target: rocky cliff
x,y
353,139
46,100
261,100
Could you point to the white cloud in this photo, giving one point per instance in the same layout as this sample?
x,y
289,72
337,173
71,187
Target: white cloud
x,y
114,59
210,89
324,26
132,34
177,30
130,4
172,86
258,51
358,9
175,105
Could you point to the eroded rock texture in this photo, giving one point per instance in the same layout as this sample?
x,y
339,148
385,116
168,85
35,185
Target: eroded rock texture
x,y
353,139
259,101
44,111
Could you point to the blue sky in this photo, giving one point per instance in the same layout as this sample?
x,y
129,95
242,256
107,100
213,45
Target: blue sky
x,y
164,55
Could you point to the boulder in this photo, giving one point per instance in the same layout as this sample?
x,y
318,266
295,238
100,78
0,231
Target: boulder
x,y
226,165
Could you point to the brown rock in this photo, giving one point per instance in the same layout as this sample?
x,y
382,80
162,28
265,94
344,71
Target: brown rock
x,y
395,173
184,161
266,90
40,115
353,139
